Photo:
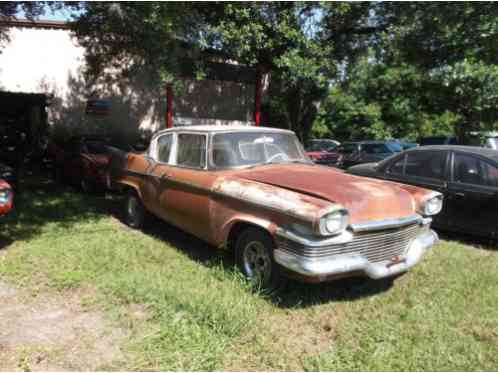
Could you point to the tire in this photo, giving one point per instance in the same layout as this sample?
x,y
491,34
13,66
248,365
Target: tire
x,y
134,211
254,255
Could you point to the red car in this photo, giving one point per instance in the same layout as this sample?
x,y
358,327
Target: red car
x,y
323,151
6,197
83,161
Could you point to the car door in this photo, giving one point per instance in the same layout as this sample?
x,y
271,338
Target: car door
x,y
157,181
473,194
424,168
186,202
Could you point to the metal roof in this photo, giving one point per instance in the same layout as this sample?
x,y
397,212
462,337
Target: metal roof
x,y
36,24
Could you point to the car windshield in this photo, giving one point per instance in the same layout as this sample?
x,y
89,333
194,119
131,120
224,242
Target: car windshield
x,y
236,149
348,148
376,149
321,145
395,147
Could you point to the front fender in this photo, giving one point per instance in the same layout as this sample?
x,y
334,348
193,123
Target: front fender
x,y
224,234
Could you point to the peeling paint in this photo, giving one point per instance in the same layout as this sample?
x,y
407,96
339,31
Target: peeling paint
x,y
268,196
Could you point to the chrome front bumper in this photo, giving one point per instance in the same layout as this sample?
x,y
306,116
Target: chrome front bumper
x,y
323,267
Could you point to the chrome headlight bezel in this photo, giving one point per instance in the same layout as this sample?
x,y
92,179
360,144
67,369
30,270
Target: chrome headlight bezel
x,y
333,222
432,205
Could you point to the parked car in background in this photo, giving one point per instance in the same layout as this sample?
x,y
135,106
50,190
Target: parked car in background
x,y
6,197
83,161
438,140
8,174
253,190
467,177
403,145
353,153
484,139
322,151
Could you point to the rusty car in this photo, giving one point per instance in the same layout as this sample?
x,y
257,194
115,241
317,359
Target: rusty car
x,y
6,198
253,190
82,161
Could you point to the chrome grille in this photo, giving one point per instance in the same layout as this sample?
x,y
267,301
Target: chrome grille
x,y
376,246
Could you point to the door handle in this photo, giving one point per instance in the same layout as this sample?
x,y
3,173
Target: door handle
x,y
459,194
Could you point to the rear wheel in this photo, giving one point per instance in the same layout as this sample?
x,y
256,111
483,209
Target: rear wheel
x,y
254,254
134,211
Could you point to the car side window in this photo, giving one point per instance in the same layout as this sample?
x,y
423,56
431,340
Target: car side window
x,y
191,150
397,167
164,144
429,164
468,169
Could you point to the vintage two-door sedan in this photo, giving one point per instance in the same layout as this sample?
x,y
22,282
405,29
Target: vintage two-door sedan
x,y
253,190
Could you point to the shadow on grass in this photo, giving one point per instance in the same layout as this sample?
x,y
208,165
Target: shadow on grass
x,y
43,202
477,242
295,294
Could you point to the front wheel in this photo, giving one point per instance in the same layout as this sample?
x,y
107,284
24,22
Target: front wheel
x,y
254,254
134,211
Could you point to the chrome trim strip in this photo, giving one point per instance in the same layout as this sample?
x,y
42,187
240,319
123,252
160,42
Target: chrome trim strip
x,y
386,224
323,267
314,241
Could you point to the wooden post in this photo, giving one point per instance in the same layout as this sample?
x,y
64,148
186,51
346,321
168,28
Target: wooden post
x,y
257,96
169,106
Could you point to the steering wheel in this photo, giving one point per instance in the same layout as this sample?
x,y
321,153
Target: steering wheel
x,y
284,157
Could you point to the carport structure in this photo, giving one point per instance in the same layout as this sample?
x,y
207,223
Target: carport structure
x,y
23,120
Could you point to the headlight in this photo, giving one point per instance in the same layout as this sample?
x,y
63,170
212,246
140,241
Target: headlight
x,y
4,196
334,222
433,205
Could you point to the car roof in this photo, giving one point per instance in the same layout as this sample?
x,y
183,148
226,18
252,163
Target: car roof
x,y
485,152
227,128
365,142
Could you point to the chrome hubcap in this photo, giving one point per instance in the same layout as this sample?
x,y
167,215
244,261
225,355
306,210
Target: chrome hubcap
x,y
257,262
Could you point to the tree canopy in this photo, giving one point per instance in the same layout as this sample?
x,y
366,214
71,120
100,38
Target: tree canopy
x,y
349,70
431,70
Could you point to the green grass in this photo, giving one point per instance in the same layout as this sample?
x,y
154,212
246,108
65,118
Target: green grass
x,y
202,316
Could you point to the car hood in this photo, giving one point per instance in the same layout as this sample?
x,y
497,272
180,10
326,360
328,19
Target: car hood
x,y
366,199
364,168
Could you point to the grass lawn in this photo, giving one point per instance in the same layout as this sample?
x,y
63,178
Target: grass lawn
x,y
201,315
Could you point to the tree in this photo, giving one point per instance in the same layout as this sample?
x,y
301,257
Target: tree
x,y
431,70
298,45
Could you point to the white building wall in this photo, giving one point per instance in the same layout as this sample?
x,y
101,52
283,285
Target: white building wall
x,y
50,61
35,57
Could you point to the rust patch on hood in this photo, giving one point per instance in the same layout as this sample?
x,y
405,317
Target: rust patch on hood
x,y
269,196
366,199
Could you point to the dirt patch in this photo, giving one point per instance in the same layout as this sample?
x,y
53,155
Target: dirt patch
x,y
54,332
